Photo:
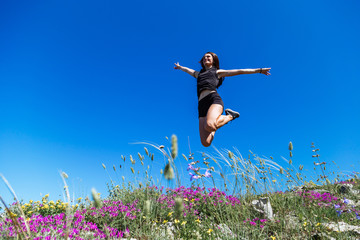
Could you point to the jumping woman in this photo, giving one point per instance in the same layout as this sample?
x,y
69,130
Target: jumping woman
x,y
210,104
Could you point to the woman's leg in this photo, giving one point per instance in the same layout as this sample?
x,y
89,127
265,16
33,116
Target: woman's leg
x,y
214,119
205,136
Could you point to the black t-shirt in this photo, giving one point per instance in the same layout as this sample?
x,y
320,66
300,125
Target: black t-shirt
x,y
207,79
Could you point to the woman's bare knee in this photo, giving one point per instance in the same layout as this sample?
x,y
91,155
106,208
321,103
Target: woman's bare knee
x,y
210,126
205,143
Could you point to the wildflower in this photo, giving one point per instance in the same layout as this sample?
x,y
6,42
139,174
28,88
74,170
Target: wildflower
x,y
194,176
183,222
253,223
305,223
170,213
346,201
165,221
274,181
272,237
198,220
338,213
207,173
357,216
336,206
186,200
190,167
209,231
47,195
176,221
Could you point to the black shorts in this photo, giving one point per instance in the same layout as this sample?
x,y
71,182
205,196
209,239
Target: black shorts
x,y
207,101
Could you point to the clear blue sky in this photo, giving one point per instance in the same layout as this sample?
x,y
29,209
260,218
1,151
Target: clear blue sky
x,y
80,81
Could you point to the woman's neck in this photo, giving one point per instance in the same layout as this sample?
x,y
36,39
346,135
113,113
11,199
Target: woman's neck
x,y
208,67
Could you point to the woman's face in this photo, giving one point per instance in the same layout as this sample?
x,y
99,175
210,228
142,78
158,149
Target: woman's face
x,y
208,60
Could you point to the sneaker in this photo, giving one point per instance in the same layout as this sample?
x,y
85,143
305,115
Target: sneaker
x,y
232,113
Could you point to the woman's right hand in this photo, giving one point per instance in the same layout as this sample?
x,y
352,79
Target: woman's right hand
x,y
177,66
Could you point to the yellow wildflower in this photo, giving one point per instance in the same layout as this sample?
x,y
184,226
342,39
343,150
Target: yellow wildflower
x,y
170,213
192,200
305,223
47,195
176,221
183,222
272,237
79,199
165,221
31,201
209,231
198,220
186,200
274,181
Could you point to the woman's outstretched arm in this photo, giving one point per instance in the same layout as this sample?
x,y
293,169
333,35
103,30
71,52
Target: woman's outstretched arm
x,y
187,70
228,73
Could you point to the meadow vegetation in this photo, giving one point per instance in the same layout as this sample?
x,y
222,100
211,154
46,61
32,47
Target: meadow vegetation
x,y
230,197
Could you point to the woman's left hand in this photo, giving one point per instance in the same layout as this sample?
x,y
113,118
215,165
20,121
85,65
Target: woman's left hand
x,y
265,71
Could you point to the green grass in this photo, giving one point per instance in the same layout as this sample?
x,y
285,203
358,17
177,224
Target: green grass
x,y
218,204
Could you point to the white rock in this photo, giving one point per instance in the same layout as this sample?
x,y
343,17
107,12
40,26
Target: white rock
x,y
342,227
263,206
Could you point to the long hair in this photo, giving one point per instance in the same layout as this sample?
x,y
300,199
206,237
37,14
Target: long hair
x,y
216,62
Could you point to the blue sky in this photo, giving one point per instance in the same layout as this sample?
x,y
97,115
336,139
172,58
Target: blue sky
x,y
80,81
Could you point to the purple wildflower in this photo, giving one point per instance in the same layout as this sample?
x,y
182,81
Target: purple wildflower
x,y
336,206
190,167
207,173
194,176
338,213
346,201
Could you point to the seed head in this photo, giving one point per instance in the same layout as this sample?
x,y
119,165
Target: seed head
x,y
132,170
96,198
168,172
64,175
146,151
174,146
104,166
147,207
179,206
281,171
231,155
290,146
328,181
